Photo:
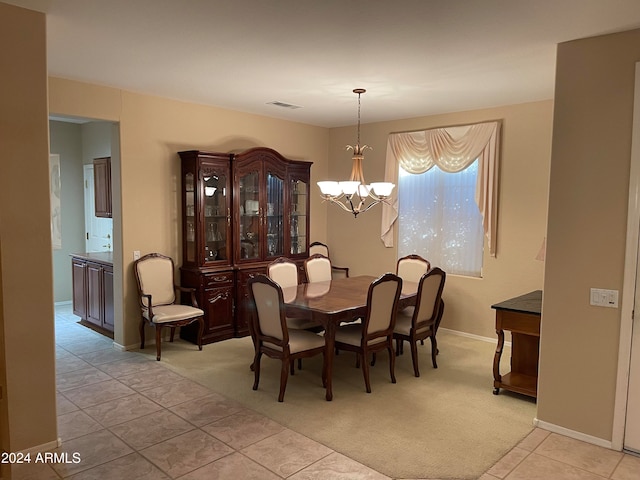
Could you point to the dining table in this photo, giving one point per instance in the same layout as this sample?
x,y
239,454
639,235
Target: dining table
x,y
335,301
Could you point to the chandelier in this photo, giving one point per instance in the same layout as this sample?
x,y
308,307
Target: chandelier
x,y
355,195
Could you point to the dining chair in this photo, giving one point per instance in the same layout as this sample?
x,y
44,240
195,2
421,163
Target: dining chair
x,y
323,249
157,296
318,268
285,273
423,321
375,333
273,338
411,267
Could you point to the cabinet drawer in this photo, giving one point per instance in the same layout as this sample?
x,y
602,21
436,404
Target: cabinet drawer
x,y
518,322
214,280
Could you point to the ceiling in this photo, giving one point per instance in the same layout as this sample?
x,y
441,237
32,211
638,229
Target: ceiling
x,y
414,57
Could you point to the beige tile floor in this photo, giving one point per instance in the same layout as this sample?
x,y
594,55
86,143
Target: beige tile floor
x,y
128,417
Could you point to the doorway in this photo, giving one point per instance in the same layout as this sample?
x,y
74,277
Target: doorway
x,y
626,426
77,141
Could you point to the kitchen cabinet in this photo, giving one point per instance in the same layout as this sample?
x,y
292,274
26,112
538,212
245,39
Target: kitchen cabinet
x,y
93,289
102,187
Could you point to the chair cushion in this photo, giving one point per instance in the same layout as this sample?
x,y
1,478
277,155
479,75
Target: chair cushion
x,y
172,313
403,324
351,334
301,340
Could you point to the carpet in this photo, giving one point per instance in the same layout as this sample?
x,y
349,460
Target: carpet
x,y
445,424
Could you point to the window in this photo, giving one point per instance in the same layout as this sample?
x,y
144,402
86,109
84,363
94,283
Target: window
x,y
439,219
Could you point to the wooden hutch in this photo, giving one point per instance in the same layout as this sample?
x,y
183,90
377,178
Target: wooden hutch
x,y
239,213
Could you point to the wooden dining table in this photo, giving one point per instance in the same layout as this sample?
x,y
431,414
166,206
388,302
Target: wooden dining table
x,y
336,301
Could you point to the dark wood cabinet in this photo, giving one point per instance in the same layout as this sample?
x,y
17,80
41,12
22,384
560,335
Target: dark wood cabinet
x,y
93,289
79,281
240,212
521,316
102,186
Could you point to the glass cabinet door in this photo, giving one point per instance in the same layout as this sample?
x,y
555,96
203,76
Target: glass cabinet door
x,y
298,216
216,215
190,223
250,215
274,216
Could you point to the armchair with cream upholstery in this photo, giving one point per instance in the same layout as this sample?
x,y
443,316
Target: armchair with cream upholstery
x,y
158,302
323,249
273,338
411,268
318,268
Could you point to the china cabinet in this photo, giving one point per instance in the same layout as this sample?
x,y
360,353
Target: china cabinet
x,y
240,212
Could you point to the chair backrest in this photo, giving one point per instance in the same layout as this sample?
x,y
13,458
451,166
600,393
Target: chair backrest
x,y
429,294
319,247
382,304
154,275
412,267
266,297
284,272
317,268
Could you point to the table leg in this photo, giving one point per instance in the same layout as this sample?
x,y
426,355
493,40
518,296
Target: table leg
x,y
496,362
329,338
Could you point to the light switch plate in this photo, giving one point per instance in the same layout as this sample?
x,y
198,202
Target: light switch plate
x,y
601,297
136,254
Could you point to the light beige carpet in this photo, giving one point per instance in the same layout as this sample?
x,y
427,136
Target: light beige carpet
x,y
445,424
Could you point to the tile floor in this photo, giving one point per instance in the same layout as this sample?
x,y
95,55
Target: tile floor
x,y
125,416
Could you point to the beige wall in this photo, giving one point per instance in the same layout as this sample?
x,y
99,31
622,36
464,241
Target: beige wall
x,y
152,131
587,228
28,405
524,177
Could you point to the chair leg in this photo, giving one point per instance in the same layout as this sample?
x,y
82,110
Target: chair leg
x,y
256,370
142,322
158,340
365,372
434,350
299,364
173,331
200,332
373,359
292,367
392,362
414,357
284,374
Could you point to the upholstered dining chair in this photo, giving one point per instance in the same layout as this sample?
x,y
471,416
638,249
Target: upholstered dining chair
x,y
273,338
317,268
423,321
323,249
285,273
411,267
158,302
375,333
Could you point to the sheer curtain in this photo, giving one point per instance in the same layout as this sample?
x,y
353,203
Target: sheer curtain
x,y
453,149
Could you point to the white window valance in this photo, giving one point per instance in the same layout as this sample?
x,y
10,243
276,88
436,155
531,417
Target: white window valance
x,y
452,149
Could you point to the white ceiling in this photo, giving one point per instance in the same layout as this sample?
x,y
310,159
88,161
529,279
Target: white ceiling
x,y
414,57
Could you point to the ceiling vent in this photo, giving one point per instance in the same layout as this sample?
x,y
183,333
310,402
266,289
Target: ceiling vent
x,y
284,105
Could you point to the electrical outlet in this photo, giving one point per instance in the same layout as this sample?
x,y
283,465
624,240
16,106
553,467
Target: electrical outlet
x,y
136,254
601,297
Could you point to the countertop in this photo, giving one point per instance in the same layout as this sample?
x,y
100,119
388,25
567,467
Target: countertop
x,y
99,257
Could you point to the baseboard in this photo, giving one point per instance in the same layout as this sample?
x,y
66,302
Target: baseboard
x,y
475,337
573,434
45,447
